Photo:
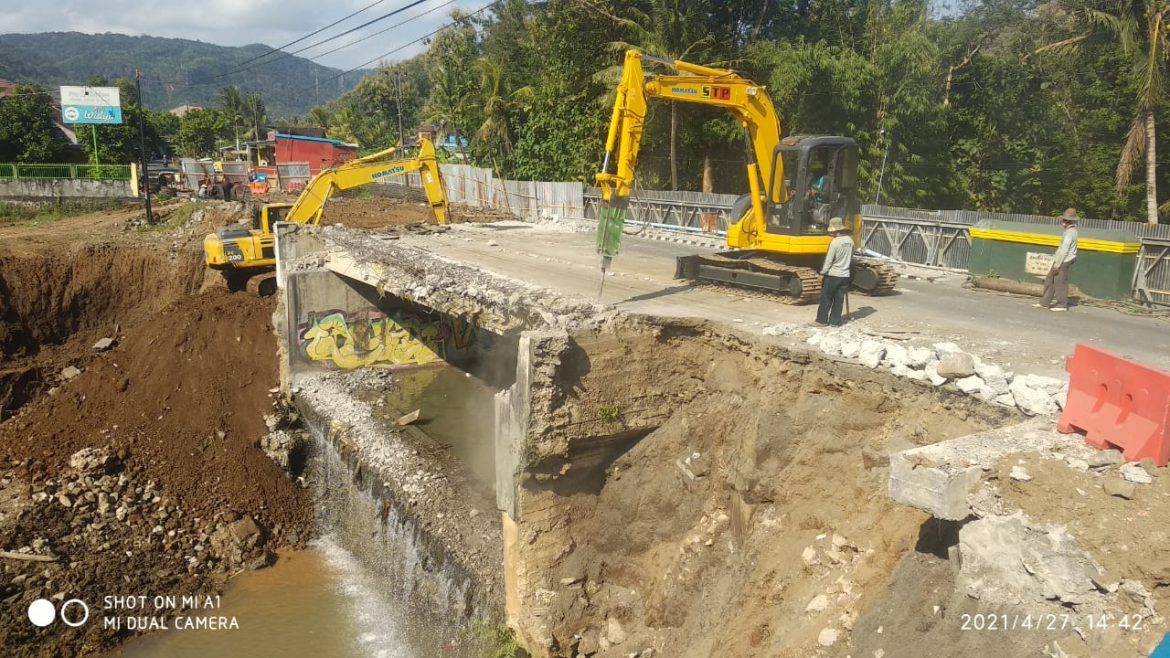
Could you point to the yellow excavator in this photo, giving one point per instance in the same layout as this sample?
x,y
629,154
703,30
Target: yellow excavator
x,y
778,233
243,250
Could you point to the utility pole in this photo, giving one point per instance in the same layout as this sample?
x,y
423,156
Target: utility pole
x,y
142,143
398,92
881,176
317,87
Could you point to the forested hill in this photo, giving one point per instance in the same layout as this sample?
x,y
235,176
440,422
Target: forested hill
x,y
175,71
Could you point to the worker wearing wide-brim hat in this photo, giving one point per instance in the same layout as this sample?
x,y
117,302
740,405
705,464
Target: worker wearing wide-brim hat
x,y
1055,296
835,272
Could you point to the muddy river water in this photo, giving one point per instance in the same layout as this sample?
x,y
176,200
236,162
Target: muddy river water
x,y
312,603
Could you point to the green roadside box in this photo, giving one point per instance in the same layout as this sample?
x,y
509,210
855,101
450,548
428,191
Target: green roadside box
x,y
1023,252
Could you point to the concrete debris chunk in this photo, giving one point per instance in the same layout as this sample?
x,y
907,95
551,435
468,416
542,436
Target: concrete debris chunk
x,y
818,604
831,344
919,357
850,348
103,344
809,556
827,637
932,374
1102,458
1120,488
943,350
871,353
896,356
1032,401
1077,463
1136,474
781,329
614,631
1020,473
957,366
1049,385
69,372
970,385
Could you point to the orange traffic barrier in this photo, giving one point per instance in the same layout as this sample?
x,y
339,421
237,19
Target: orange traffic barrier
x,y
1118,403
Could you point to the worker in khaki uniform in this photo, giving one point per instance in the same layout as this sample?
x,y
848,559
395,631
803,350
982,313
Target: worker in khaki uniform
x,y
1055,296
836,272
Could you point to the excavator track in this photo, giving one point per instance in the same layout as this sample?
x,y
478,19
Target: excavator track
x,y
783,282
873,277
789,284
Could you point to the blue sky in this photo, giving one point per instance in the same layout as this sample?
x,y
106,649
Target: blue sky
x,y
240,22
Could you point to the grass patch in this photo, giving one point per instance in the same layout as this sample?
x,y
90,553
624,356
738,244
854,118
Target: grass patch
x,y
610,412
175,218
499,642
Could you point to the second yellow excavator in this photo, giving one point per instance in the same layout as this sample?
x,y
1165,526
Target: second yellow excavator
x,y
244,250
796,184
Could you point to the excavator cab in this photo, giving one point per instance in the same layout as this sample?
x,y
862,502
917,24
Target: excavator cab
x,y
817,181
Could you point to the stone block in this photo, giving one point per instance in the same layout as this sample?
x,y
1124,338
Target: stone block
x,y
957,366
938,478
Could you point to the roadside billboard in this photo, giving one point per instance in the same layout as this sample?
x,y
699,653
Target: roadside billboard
x,y
98,105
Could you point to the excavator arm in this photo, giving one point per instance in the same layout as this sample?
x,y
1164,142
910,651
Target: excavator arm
x,y
744,99
365,171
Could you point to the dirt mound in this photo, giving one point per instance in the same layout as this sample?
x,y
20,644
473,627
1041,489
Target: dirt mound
x,y
183,396
178,402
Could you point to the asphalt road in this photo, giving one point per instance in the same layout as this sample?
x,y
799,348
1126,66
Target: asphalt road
x,y
1003,328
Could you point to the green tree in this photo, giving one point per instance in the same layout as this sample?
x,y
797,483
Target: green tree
x,y
27,133
499,104
672,29
200,131
452,80
1139,28
257,115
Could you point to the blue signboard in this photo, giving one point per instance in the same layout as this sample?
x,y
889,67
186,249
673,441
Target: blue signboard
x,y
97,105
91,114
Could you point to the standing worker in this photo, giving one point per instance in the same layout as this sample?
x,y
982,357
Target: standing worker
x,y
835,271
1056,283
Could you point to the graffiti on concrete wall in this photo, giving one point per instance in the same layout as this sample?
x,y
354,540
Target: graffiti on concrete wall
x,y
373,337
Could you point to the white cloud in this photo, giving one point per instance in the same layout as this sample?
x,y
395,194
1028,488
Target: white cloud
x,y
239,22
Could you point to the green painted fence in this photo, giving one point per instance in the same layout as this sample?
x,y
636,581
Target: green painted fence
x,y
18,171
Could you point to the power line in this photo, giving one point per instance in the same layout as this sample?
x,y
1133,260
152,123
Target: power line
x,y
313,33
411,43
383,31
368,23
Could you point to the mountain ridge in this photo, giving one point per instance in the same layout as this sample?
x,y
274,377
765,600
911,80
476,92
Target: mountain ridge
x,y
175,71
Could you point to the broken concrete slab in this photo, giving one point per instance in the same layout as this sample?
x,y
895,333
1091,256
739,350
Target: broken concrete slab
x,y
103,344
938,478
1012,559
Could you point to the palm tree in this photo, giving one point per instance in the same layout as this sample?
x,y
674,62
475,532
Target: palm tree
x,y
232,104
1140,29
498,104
257,114
447,105
670,29
320,116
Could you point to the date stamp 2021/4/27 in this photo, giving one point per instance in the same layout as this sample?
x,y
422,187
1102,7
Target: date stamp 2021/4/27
x,y
1049,622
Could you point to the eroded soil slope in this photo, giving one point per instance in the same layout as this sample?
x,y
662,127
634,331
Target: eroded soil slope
x,y
139,474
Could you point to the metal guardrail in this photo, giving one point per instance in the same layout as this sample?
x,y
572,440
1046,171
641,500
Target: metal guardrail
x,y
935,238
21,171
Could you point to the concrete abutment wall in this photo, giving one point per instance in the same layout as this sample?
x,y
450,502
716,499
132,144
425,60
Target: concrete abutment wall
x,y
640,463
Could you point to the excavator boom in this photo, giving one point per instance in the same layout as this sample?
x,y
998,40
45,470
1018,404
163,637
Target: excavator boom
x,y
779,228
243,250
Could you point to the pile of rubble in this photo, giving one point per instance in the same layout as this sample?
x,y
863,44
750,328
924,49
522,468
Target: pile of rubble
x,y
939,364
93,530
